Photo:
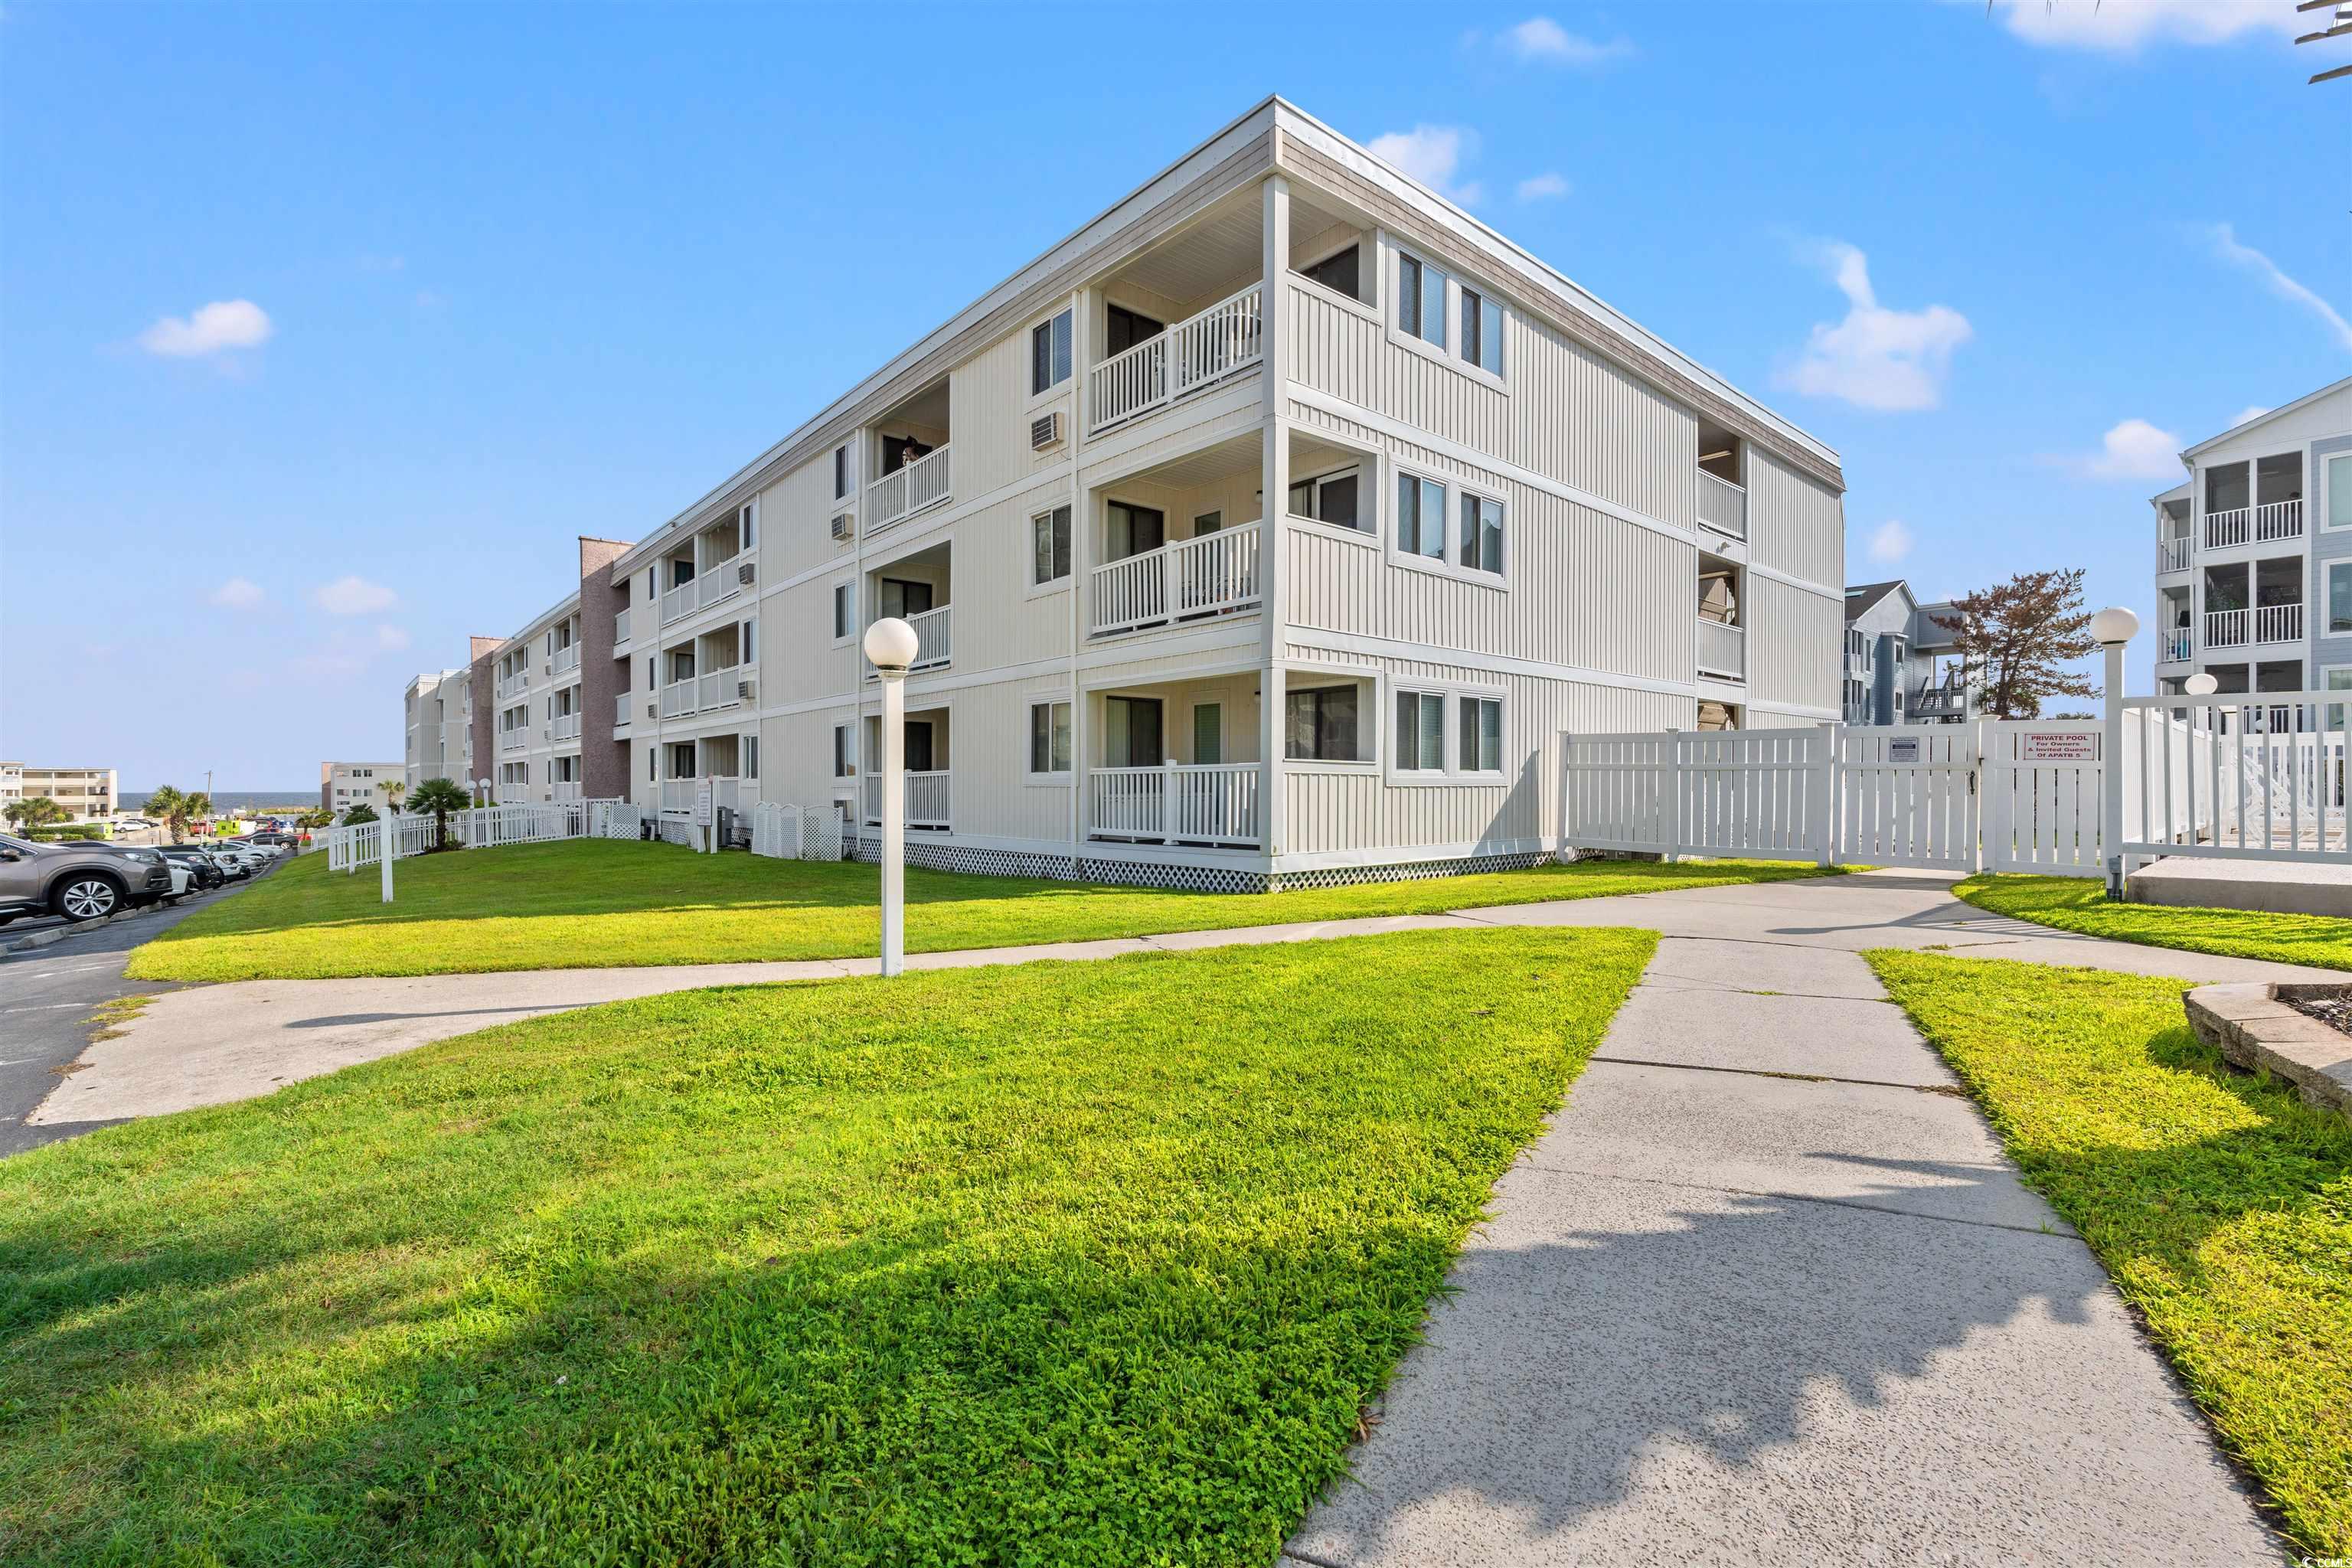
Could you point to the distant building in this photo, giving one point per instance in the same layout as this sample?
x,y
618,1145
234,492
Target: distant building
x,y
342,785
1901,665
440,713
84,791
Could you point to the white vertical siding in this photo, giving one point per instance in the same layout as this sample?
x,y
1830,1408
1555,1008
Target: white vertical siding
x,y
1795,524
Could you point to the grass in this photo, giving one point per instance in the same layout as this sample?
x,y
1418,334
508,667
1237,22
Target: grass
x,y
2081,904
595,903
1085,1263
2219,1202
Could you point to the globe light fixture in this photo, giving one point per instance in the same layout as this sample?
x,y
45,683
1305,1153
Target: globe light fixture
x,y
2201,685
890,646
2113,625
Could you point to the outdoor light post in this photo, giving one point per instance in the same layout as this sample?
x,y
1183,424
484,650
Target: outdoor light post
x,y
2113,628
890,646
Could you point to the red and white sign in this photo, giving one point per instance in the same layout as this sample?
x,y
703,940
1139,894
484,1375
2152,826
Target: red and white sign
x,y
2058,746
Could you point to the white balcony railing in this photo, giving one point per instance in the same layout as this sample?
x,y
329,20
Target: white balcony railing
x,y
622,712
2175,646
678,697
1212,575
565,790
563,727
1722,505
927,799
2279,519
2278,622
723,581
2225,628
1722,651
514,685
713,689
933,643
514,739
511,794
1228,336
567,658
2224,529
904,491
679,795
1178,802
2174,554
620,629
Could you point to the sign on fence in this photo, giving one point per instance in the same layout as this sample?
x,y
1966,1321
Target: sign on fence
x,y
2058,746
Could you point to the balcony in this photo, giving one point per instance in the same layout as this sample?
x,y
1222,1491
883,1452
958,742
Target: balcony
x,y
514,739
1215,573
563,789
1213,804
2226,529
1937,700
1227,338
934,642
620,630
622,712
1722,505
916,487
681,794
1722,651
2175,646
514,685
2278,519
704,693
563,727
2174,554
2264,624
723,581
567,660
927,799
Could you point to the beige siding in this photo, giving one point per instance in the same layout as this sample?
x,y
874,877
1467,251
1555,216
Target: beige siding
x,y
1793,641
1794,524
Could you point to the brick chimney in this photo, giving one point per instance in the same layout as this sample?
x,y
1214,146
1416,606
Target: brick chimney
x,y
604,761
481,686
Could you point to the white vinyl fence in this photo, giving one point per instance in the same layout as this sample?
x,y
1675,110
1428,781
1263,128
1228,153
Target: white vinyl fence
x,y
2236,777
1761,793
796,832
476,827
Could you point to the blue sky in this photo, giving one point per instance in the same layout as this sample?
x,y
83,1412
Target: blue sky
x,y
324,330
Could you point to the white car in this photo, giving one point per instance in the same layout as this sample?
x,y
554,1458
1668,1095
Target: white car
x,y
182,878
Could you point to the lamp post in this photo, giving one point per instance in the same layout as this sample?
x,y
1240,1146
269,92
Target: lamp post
x,y
2113,628
890,646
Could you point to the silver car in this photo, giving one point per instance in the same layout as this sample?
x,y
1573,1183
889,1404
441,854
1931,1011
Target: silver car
x,y
81,884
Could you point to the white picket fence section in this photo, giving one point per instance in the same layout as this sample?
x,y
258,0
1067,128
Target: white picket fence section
x,y
785,832
2236,777
2042,781
477,827
1760,794
1907,795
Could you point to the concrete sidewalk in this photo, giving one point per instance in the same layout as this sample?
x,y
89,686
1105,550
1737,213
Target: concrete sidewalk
x,y
211,1044
1768,1291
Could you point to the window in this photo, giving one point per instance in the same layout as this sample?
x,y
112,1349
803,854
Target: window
x,y
1337,272
1421,300
1135,529
2337,488
1052,534
1421,516
1481,331
750,748
2339,597
905,596
1482,533
1208,522
747,527
1123,329
841,610
747,642
840,471
1049,737
1049,353
1132,731
844,751
1327,498
1320,725
1421,733
1481,739
1208,733
2336,678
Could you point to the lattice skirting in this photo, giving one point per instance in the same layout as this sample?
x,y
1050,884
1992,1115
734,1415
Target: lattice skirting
x,y
981,862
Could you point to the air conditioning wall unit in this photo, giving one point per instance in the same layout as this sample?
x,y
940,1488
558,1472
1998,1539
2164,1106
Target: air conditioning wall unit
x,y
841,526
746,690
745,571
1045,432
650,711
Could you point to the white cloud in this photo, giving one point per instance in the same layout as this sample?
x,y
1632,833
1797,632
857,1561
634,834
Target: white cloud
x,y
2252,411
2135,450
1432,154
1876,358
1542,188
223,324
239,593
353,596
1890,541
1539,39
391,639
2123,26
2225,243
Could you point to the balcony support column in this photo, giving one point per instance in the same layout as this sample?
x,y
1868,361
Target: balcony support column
x,y
1274,602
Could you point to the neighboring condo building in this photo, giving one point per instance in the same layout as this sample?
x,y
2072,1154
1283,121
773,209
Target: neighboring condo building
x,y
1500,511
440,717
1901,665
2253,554
86,792
342,785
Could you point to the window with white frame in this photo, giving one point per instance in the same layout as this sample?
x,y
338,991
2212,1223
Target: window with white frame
x,y
2335,484
1050,537
844,610
844,751
1482,533
1049,353
1321,724
1333,498
840,471
1049,737
1421,516
2335,678
1421,300
1479,748
2339,597
1420,731
1481,331
749,749
1341,271
748,642
747,526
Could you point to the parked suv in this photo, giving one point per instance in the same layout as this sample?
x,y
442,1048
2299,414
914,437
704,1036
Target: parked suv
x,y
79,884
207,872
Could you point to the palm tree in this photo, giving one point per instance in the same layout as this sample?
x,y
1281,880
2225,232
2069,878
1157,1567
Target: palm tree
x,y
393,790
173,809
439,796
34,811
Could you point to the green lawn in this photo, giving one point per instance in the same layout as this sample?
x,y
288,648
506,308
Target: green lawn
x,y
592,903
1088,1263
2221,1204
2081,904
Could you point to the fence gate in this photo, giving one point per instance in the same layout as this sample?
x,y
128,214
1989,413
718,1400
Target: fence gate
x,y
2041,796
1907,797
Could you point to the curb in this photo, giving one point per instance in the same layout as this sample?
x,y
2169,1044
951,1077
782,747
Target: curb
x,y
2253,1026
34,941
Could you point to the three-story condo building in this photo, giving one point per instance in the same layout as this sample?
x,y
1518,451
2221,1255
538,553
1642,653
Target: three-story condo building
x,y
440,715
2254,553
1272,527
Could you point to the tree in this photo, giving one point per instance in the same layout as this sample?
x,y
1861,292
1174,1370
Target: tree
x,y
359,813
174,810
316,818
2018,637
34,811
393,790
440,798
